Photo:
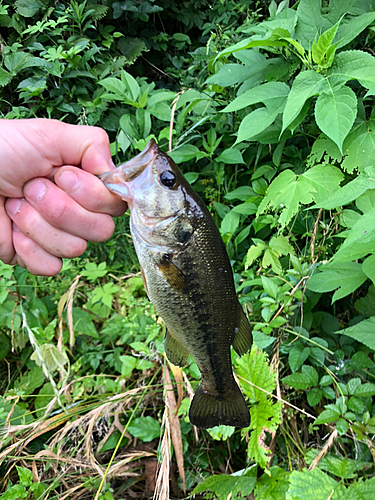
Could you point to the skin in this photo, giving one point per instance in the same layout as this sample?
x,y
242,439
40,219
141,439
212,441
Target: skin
x,y
51,203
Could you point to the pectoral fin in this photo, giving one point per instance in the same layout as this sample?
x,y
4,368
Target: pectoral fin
x,y
172,274
175,351
243,338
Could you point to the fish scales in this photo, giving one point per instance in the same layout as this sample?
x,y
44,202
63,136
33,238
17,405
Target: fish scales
x,y
189,280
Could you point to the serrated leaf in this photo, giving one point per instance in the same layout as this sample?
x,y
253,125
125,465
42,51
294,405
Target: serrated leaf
x,y
314,396
281,245
325,179
25,475
305,85
273,485
321,46
342,277
335,113
362,490
360,152
364,390
286,192
270,287
307,485
298,356
308,377
353,65
225,485
342,426
271,258
328,415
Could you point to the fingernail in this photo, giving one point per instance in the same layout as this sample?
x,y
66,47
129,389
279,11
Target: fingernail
x,y
35,190
13,205
69,181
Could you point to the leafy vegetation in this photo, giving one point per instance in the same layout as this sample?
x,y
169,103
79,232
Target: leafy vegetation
x,y
268,109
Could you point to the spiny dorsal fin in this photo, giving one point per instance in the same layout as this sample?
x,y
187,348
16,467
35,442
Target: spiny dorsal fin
x,y
242,338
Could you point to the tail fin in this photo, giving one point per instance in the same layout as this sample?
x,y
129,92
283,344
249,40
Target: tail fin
x,y
207,410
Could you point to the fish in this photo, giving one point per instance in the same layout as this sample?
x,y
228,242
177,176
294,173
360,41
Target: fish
x,y
187,276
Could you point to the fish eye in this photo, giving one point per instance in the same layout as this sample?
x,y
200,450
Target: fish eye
x,y
168,178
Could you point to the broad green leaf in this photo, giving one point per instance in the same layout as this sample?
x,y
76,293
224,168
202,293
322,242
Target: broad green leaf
x,y
352,27
315,484
114,85
362,332
270,287
50,356
342,426
361,490
255,122
221,432
128,364
311,22
305,85
15,492
271,94
314,396
335,113
366,202
230,74
308,377
254,252
145,428
342,467
286,192
25,475
364,390
273,485
281,245
360,240
242,193
255,41
271,258
183,153
231,156
360,152
298,356
230,223
353,65
352,190
224,485
368,267
325,179
43,398
330,414
342,277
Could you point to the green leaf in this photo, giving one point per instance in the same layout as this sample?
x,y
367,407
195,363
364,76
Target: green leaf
x,y
352,190
342,277
51,356
325,179
271,94
313,484
360,240
364,390
131,85
230,74
230,223
44,397
25,475
311,22
254,252
114,85
321,46
298,356
362,332
15,492
255,122
280,244
231,156
308,377
225,485
351,28
360,152
273,484
128,364
361,490
183,153
353,65
305,85
335,113
342,426
286,192
314,396
145,428
368,267
221,432
242,193
270,287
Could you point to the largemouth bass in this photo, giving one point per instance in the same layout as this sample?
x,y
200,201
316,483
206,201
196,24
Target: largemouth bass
x,y
188,277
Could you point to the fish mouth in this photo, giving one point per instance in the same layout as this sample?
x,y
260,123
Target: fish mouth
x,y
115,180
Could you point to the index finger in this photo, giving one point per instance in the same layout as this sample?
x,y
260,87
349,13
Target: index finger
x,y
89,191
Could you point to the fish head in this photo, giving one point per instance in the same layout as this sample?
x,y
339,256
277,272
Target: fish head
x,y
163,208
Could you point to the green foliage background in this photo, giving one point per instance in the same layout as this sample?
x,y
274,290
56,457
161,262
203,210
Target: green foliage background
x,y
268,108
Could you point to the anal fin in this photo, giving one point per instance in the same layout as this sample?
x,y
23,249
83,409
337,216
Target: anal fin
x,y
175,351
243,338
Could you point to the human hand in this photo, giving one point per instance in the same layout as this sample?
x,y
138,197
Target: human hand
x,y
50,203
